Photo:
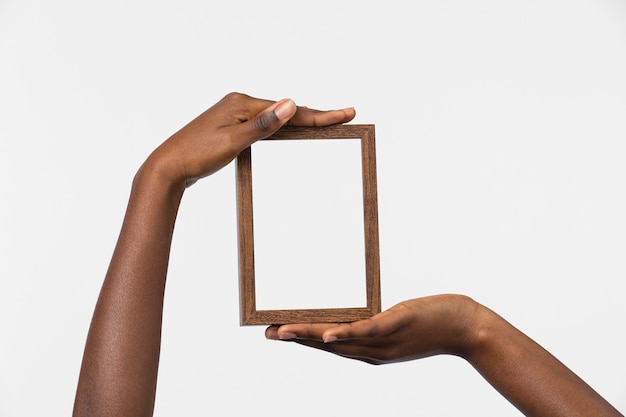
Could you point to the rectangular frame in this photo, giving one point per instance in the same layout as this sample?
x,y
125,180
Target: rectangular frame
x,y
249,315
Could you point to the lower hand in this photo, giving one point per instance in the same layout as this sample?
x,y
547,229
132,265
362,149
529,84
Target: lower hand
x,y
410,330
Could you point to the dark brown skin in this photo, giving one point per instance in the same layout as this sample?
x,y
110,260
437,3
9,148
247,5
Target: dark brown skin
x,y
119,371
118,376
533,380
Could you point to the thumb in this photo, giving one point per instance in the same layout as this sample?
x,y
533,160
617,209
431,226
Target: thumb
x,y
266,122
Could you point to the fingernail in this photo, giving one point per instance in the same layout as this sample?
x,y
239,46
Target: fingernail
x,y
285,110
287,336
330,339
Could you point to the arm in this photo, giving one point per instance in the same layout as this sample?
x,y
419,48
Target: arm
x,y
526,374
119,370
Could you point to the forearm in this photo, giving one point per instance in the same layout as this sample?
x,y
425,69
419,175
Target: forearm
x,y
120,363
531,378
119,370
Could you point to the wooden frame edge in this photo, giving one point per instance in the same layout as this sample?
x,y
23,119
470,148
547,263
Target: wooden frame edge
x,y
249,315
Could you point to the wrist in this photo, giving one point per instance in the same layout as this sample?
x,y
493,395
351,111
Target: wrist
x,y
155,178
483,329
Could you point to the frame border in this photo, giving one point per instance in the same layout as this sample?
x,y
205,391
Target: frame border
x,y
249,315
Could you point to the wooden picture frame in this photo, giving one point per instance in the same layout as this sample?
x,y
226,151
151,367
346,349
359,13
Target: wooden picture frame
x,y
249,315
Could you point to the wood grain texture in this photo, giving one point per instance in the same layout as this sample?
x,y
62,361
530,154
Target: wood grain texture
x,y
249,315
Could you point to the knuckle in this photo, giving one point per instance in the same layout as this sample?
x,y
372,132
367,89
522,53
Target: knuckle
x,y
235,96
265,122
237,102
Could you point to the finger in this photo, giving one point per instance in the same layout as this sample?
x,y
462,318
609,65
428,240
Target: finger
x,y
262,124
311,117
313,335
379,325
308,331
309,335
272,333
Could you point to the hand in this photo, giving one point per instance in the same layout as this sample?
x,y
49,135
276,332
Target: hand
x,y
533,380
218,135
119,371
410,330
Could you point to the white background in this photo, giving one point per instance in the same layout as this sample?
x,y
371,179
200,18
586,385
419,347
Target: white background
x,y
500,137
308,224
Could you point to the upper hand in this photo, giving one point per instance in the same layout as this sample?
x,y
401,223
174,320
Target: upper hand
x,y
217,136
410,330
